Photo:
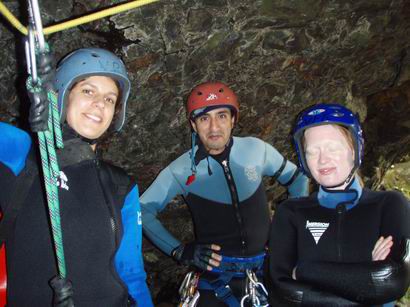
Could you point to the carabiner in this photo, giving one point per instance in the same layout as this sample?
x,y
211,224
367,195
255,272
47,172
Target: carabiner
x,y
31,56
35,18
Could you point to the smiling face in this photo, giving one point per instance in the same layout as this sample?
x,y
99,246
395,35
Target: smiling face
x,y
214,129
91,106
329,155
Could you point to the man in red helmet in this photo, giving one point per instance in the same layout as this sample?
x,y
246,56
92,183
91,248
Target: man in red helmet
x,y
220,179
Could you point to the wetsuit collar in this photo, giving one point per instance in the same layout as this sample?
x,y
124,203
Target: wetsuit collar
x,y
75,150
349,196
202,153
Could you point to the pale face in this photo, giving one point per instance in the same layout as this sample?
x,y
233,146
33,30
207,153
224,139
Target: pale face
x,y
214,129
91,106
328,155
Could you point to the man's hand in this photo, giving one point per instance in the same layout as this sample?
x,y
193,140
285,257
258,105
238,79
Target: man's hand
x,y
382,248
203,256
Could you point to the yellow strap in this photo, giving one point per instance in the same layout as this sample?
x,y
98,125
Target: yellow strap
x,y
13,20
78,21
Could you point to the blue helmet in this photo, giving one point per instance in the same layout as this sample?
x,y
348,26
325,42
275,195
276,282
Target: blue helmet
x,y
324,114
86,62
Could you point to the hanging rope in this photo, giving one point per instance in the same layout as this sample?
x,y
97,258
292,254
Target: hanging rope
x,y
75,22
47,141
44,120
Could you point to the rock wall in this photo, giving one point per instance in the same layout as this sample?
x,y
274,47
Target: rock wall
x,y
279,56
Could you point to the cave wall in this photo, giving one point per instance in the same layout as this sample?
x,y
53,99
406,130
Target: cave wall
x,y
279,56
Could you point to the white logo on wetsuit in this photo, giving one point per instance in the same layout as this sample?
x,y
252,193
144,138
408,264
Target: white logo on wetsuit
x,y
139,219
316,229
251,173
62,181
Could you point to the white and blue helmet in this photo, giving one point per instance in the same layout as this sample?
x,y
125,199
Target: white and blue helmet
x,y
86,62
324,114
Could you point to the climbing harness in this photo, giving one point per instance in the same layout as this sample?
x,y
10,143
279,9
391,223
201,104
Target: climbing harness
x,y
238,267
256,293
188,291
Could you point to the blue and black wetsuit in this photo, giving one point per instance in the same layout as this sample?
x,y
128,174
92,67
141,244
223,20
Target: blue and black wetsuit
x,y
329,238
227,199
101,227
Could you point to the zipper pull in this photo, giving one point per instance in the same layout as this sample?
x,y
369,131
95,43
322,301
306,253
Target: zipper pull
x,y
340,208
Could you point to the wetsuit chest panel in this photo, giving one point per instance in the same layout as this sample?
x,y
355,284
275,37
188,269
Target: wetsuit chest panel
x,y
217,223
246,165
89,244
326,235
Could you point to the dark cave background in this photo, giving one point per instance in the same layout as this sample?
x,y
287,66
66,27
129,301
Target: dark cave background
x,y
279,56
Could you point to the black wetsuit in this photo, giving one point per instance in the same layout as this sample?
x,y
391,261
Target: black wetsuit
x,y
93,197
332,250
227,201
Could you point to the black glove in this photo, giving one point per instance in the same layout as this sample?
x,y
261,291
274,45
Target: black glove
x,y
38,117
39,109
194,254
63,292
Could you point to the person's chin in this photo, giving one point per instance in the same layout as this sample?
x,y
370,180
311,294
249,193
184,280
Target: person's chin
x,y
89,135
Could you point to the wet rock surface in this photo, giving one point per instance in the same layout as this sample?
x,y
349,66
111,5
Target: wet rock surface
x,y
279,56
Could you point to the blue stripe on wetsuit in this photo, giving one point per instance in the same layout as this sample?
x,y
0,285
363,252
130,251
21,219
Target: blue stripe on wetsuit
x,y
14,147
250,159
128,259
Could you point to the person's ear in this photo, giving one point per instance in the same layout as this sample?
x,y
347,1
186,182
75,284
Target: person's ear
x,y
193,125
233,120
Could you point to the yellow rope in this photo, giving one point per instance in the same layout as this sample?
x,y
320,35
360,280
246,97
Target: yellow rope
x,y
78,21
13,20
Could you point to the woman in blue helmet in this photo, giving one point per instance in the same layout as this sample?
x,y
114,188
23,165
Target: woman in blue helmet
x,y
344,245
99,206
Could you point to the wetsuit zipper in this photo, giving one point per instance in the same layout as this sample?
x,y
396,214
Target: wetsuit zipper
x,y
113,223
340,209
235,201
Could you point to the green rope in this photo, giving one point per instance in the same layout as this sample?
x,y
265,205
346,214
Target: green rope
x,y
51,171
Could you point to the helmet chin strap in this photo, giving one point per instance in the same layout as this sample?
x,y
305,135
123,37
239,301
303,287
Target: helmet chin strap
x,y
346,181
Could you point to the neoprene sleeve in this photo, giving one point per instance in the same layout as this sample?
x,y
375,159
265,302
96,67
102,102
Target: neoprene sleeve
x,y
374,282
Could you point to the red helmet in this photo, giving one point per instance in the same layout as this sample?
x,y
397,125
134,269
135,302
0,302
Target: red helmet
x,y
211,94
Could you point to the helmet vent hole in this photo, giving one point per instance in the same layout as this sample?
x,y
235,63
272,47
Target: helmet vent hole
x,y
84,63
221,90
95,55
199,93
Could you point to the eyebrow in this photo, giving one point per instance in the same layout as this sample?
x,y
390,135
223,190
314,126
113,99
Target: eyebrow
x,y
86,82
223,112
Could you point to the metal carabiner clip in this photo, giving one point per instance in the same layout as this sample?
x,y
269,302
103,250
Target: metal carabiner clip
x,y
31,55
35,18
35,39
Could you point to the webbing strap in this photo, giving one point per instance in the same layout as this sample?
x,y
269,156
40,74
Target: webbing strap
x,y
239,265
221,288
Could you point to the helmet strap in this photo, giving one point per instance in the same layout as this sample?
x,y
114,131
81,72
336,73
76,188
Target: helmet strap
x,y
346,181
191,178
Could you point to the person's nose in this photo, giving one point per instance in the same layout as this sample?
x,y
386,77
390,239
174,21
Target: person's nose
x,y
214,125
99,101
323,157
